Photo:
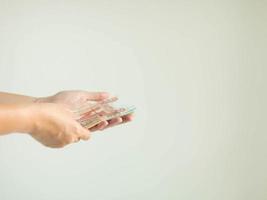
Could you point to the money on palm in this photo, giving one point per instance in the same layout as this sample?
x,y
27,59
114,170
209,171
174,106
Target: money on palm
x,y
92,113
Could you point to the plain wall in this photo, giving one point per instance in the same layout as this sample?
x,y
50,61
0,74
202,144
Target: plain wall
x,y
195,70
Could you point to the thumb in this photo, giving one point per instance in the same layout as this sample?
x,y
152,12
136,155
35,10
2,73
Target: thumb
x,y
97,96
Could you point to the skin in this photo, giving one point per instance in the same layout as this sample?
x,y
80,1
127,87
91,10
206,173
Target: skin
x,y
49,120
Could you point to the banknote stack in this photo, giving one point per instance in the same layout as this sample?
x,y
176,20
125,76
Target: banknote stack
x,y
92,113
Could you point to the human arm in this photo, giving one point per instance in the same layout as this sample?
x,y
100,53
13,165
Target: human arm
x,y
11,98
70,99
51,124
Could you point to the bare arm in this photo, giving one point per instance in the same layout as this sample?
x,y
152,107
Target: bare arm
x,y
51,124
68,98
15,118
9,98
49,119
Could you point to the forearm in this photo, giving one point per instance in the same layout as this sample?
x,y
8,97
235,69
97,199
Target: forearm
x,y
9,98
15,118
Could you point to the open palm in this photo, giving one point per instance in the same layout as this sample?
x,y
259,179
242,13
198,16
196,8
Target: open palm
x,y
75,98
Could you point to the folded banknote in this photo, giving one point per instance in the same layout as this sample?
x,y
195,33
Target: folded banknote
x,y
92,113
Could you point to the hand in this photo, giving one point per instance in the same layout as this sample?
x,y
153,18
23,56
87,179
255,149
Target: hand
x,y
74,99
54,125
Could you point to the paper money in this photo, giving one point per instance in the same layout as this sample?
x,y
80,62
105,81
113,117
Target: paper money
x,y
92,105
92,113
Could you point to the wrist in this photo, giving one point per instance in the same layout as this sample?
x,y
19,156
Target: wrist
x,y
41,99
27,118
16,118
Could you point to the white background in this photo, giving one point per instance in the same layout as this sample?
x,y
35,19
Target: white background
x,y
196,71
